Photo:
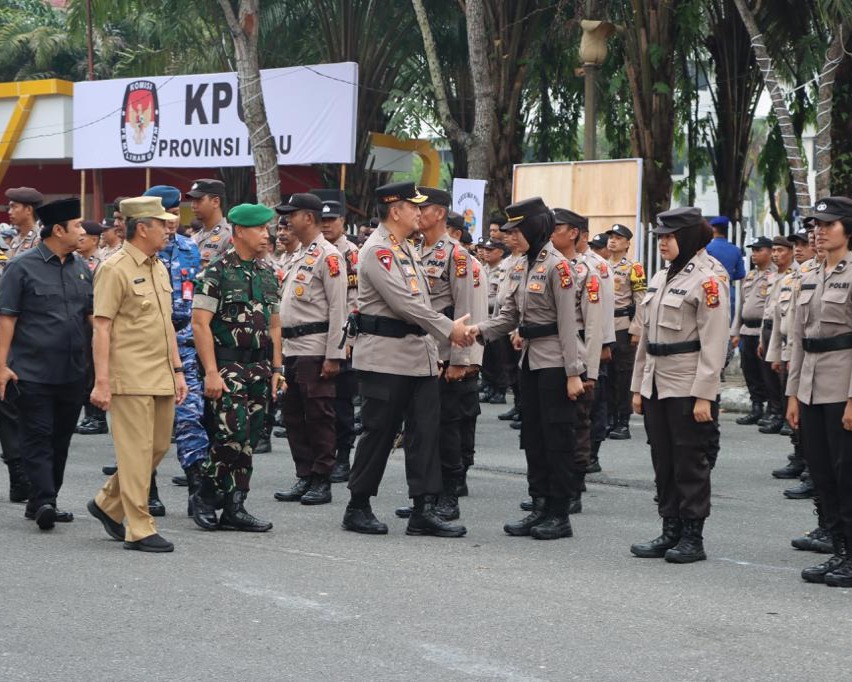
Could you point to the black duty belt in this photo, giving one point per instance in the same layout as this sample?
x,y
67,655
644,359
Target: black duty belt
x,y
379,325
673,348
304,329
536,331
767,325
826,345
752,324
241,355
629,311
449,311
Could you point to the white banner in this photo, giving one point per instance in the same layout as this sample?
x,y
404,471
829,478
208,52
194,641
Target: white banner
x,y
197,121
469,200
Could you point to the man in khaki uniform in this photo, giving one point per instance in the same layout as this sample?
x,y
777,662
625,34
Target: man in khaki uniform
x,y
629,285
313,313
543,309
23,202
138,374
346,382
397,360
208,205
745,330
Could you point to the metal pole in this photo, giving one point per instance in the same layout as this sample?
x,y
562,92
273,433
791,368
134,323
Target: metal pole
x,y
97,178
590,114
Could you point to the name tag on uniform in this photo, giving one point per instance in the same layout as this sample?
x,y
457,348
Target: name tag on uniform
x,y
186,290
139,280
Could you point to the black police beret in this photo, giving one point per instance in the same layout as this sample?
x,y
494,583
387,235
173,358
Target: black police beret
x,y
565,217
25,195
677,219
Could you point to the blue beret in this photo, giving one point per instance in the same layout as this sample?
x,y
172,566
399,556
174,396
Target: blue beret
x,y
250,215
720,220
170,195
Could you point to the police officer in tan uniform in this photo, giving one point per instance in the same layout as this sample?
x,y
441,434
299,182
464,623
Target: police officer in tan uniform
x,y
110,240
23,202
676,379
313,313
629,284
397,360
544,312
819,387
745,329
346,383
208,205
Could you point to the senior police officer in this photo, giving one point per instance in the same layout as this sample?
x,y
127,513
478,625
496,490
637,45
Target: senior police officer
x,y
23,202
95,421
629,283
235,324
819,387
676,380
745,329
138,375
208,203
397,361
346,382
45,309
183,263
111,239
544,312
313,313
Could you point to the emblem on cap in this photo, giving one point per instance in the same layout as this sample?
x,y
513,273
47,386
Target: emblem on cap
x,y
821,206
326,209
194,187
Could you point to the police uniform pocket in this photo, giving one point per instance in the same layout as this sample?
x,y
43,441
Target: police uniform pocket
x,y
671,313
834,306
234,302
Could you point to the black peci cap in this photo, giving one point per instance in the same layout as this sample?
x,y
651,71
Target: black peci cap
x,y
59,211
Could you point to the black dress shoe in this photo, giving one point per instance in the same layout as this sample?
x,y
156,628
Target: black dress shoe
x,y
180,481
45,516
156,507
516,425
113,528
153,543
319,492
92,427
61,516
280,432
620,432
109,470
363,521
300,487
340,472
509,415
403,512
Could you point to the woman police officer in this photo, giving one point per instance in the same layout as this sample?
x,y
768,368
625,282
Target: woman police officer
x,y
676,377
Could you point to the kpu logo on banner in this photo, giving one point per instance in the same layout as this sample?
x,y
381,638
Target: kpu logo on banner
x,y
140,121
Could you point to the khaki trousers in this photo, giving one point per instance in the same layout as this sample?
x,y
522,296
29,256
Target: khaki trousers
x,y
141,431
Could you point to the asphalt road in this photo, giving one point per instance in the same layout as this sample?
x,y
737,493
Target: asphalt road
x,y
310,601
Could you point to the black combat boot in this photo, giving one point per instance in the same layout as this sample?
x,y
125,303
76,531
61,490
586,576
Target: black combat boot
x,y
817,574
485,394
794,469
404,512
497,397
819,539
447,506
786,430
181,481
594,458
842,575
690,547
91,426
424,520
19,484
509,415
340,472
536,516
656,548
556,523
773,425
621,430
300,487
193,480
753,416
155,506
803,491
204,504
235,517
319,492
360,519
264,445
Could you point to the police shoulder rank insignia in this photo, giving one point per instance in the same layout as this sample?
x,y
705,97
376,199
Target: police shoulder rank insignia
x,y
461,262
333,265
564,271
603,269
385,258
711,293
593,289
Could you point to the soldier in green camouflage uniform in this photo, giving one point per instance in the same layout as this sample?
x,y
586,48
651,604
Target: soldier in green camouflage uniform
x,y
237,330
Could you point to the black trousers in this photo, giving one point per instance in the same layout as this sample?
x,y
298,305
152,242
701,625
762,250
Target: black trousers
x,y
496,360
679,447
774,388
619,397
459,403
599,406
308,414
547,433
9,435
752,368
51,413
387,400
828,452
346,384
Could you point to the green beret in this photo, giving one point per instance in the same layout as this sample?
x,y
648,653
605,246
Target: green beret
x,y
250,215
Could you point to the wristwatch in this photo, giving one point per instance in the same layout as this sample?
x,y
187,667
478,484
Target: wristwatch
x,y
278,370
178,370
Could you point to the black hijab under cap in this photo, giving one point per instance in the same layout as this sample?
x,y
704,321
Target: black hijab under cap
x,y
535,221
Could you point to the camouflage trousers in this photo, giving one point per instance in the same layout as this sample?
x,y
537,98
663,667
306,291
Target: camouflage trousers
x,y
236,423
190,435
